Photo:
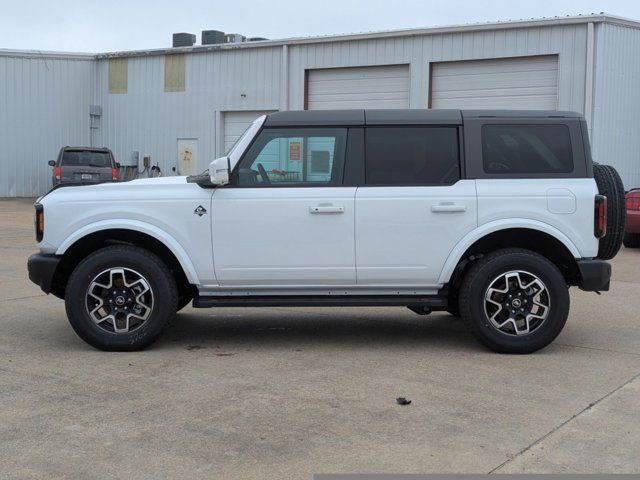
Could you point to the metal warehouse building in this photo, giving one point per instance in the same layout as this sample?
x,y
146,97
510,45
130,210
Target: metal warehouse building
x,y
157,103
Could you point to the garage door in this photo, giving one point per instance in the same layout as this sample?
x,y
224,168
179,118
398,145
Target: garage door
x,y
235,123
358,87
525,83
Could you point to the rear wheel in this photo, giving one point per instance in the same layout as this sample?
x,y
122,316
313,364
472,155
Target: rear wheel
x,y
121,298
610,185
631,240
514,301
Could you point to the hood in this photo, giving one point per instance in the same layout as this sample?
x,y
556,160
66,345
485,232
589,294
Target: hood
x,y
145,187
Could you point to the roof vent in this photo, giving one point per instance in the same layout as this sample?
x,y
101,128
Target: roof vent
x,y
183,39
234,38
256,39
212,37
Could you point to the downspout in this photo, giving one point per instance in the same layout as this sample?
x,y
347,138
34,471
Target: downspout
x,y
589,76
284,79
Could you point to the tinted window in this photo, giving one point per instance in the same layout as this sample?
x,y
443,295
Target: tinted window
x,y
526,149
300,155
411,155
79,158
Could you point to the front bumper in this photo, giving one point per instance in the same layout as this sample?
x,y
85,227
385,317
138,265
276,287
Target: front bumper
x,y
595,275
41,269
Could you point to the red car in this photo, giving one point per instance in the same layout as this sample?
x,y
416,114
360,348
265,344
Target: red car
x,y
632,233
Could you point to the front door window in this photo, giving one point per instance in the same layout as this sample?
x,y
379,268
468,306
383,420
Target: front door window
x,y
281,156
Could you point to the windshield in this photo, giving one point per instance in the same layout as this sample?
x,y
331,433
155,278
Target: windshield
x,y
84,158
235,144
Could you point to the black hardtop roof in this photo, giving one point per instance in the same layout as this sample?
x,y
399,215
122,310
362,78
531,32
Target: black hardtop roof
x,y
398,116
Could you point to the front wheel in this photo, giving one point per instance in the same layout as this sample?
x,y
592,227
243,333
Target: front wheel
x,y
514,301
121,298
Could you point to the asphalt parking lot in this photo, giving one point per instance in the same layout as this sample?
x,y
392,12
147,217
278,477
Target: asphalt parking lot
x,y
283,393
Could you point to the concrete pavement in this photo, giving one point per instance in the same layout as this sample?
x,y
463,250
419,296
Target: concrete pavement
x,y
283,393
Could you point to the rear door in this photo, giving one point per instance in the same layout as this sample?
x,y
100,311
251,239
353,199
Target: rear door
x,y
286,219
414,206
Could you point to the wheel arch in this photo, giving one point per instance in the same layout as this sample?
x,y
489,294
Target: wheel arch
x,y
90,238
536,236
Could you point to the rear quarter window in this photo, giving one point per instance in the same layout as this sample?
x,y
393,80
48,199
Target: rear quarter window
x,y
526,149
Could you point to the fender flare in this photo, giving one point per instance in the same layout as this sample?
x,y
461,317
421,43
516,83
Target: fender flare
x,y
126,224
456,253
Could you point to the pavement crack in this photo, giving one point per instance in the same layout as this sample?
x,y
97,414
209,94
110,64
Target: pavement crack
x,y
21,298
598,349
566,422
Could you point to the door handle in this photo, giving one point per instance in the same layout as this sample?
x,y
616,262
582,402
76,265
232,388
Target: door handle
x,y
448,207
326,209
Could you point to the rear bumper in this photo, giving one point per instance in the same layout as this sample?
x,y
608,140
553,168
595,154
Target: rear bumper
x,y
41,269
595,275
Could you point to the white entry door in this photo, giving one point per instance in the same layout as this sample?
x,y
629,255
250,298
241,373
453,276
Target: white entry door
x,y
187,156
286,220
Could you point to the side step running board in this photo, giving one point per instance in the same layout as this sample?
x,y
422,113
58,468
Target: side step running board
x,y
433,302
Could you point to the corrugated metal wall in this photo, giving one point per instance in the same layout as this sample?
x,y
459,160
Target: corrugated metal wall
x,y
616,101
149,120
44,104
45,100
568,41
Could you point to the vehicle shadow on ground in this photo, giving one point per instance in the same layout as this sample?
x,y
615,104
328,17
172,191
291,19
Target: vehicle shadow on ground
x,y
248,329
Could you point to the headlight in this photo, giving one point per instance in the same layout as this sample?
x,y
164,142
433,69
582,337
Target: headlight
x,y
39,222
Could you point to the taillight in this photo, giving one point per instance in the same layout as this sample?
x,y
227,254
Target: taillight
x,y
39,222
57,173
633,203
114,174
600,216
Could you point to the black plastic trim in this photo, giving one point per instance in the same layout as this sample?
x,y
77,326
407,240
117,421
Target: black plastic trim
x,y
41,270
434,302
595,275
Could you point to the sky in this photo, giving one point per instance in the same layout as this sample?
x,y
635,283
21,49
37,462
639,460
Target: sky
x,y
112,25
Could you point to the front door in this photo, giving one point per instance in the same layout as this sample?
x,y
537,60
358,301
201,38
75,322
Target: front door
x,y
285,219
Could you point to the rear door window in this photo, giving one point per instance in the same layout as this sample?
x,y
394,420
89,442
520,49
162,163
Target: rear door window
x,y
79,158
411,156
525,149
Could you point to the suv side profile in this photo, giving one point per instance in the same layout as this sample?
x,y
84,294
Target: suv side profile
x,y
84,165
490,215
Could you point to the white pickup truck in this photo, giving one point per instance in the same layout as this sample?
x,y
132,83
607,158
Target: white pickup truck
x,y
490,215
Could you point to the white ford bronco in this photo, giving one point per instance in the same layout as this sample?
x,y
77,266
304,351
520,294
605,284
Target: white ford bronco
x,y
489,215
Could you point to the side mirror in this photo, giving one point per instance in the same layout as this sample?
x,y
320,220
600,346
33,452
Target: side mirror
x,y
52,163
118,165
219,171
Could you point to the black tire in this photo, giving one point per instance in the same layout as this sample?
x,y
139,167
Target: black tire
x,y
153,271
631,240
481,276
610,184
